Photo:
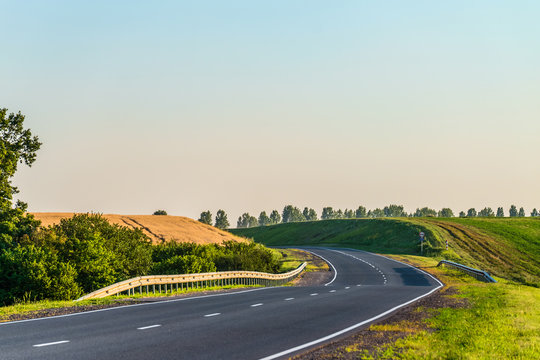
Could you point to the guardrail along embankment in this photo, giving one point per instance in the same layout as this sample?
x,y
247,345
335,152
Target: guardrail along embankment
x,y
478,274
152,283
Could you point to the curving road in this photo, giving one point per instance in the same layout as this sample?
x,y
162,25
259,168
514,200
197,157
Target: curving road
x,y
263,323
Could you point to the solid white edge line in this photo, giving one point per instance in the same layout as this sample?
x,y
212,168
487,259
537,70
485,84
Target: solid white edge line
x,y
332,265
213,314
255,305
51,343
328,337
134,305
148,327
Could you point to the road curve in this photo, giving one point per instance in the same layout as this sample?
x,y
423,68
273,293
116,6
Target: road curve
x,y
263,323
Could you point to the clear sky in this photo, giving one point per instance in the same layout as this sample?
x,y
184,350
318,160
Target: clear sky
x,y
251,105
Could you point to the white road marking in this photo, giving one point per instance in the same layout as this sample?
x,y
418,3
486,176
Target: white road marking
x,y
51,343
332,291
289,299
148,327
347,287
332,265
314,294
338,333
358,285
255,305
213,314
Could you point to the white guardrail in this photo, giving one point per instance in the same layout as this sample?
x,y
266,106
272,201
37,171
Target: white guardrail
x,y
151,283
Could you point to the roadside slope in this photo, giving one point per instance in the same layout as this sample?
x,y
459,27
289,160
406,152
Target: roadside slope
x,y
505,247
159,228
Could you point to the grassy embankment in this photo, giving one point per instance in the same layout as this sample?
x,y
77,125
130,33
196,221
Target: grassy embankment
x,y
502,320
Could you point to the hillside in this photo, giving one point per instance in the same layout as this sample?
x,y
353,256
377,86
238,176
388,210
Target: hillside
x,y
159,228
505,247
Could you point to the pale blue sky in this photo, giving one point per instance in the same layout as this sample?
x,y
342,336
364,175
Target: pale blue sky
x,y
250,106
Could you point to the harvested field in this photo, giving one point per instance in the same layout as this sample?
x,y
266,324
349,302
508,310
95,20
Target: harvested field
x,y
159,228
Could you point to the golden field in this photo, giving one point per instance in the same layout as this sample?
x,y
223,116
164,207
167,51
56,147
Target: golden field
x,y
159,228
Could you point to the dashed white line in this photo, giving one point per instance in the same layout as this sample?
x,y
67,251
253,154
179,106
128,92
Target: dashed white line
x,y
314,294
289,299
213,314
51,343
148,327
347,287
255,305
332,291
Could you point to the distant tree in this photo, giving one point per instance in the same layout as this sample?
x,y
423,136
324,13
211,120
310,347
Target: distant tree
x,y
376,213
500,212
471,212
291,214
425,211
360,212
521,212
339,214
221,220
264,219
160,212
327,213
206,217
462,214
394,211
252,221
244,220
275,217
486,212
513,211
534,213
446,212
348,214
309,214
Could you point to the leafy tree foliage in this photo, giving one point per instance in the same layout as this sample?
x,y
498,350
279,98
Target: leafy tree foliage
x,y
160,212
446,212
360,212
275,217
486,212
425,211
513,211
376,213
264,219
394,211
327,213
471,212
310,215
521,212
247,221
348,214
221,220
500,212
292,214
534,213
462,214
339,214
206,217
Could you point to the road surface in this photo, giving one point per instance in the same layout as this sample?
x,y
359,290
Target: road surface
x,y
261,323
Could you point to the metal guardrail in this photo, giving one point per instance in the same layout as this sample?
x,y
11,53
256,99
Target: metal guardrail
x,y
187,281
478,274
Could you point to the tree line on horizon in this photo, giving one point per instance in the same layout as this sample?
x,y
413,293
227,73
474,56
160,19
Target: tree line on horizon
x,y
292,213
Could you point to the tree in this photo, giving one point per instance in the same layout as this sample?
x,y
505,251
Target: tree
x,y
462,214
17,145
348,214
500,212
309,214
327,213
243,221
513,211
264,219
360,212
376,213
339,214
471,212
275,217
521,212
394,211
252,221
206,217
534,213
446,212
486,212
160,212
425,211
292,214
221,220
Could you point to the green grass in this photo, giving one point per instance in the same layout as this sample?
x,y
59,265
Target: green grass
x,y
505,247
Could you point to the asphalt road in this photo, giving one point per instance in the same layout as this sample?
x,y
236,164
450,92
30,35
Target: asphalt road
x,y
253,324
